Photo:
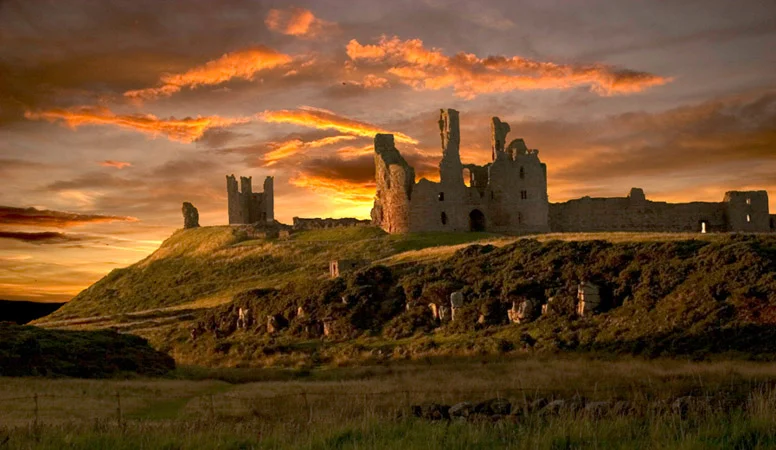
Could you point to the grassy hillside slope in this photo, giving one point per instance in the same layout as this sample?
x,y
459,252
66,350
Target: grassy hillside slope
x,y
692,298
665,294
207,266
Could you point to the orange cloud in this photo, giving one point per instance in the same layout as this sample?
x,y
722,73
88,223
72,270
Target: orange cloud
x,y
10,215
469,75
242,64
282,150
295,21
185,130
117,164
327,120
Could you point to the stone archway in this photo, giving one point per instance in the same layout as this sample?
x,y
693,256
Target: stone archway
x,y
476,220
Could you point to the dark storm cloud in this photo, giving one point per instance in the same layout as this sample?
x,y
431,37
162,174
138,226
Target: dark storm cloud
x,y
46,237
10,215
706,136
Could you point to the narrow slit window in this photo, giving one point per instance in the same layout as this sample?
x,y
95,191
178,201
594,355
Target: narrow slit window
x,y
748,218
522,172
523,195
441,196
444,219
748,201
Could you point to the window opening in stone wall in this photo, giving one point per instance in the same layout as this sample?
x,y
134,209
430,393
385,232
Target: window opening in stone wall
x,y
467,177
748,218
748,201
519,218
704,224
523,195
441,196
444,219
522,172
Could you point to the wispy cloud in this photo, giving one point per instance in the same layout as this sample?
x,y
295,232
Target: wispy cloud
x,y
298,22
327,120
186,130
469,75
286,149
45,237
117,164
10,215
241,64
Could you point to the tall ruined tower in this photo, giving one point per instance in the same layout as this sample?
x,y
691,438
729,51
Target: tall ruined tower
x,y
246,206
395,180
233,198
246,199
450,168
269,199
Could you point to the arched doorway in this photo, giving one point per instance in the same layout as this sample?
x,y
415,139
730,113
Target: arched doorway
x,y
476,220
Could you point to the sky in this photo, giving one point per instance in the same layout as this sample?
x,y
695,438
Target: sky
x,y
113,113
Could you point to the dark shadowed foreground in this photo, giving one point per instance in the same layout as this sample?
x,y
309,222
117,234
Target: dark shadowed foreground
x,y
28,350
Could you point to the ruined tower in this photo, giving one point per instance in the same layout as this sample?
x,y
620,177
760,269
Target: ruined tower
x,y
507,195
246,206
450,168
395,180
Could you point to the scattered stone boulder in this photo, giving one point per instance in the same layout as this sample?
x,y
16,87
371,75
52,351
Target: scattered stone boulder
x,y
190,216
431,411
597,409
461,410
494,406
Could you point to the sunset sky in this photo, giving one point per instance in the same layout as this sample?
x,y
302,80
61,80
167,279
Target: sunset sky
x,y
113,113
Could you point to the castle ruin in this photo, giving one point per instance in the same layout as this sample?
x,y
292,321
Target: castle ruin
x,y
509,195
246,206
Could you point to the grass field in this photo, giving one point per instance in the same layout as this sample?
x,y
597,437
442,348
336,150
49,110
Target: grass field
x,y
365,407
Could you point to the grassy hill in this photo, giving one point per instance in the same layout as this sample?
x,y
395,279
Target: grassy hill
x,y
207,266
664,295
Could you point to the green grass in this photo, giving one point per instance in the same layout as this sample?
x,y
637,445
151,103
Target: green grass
x,y
351,409
209,265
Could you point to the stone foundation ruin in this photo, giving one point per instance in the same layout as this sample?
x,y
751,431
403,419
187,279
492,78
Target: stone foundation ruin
x,y
509,195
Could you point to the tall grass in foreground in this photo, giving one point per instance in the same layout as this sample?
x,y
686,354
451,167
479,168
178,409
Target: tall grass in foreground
x,y
369,407
749,427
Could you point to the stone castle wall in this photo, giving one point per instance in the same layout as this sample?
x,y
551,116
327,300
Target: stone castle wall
x,y
316,223
636,213
509,195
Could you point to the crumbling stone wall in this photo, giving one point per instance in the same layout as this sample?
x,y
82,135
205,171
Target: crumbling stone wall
x,y
190,216
246,206
316,223
507,195
395,181
636,213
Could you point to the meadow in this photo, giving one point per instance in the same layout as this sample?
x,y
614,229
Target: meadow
x,y
369,407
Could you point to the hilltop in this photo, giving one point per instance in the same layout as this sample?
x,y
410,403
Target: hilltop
x,y
665,295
